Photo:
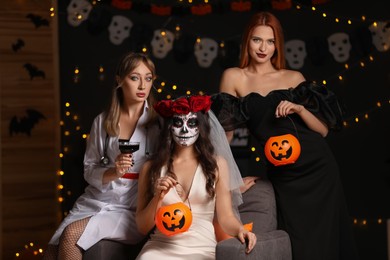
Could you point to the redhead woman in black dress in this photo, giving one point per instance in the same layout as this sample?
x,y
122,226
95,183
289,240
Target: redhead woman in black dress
x,y
272,101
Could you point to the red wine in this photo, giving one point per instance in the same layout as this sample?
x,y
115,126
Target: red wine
x,y
128,147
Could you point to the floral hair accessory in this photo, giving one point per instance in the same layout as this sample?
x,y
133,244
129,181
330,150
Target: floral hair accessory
x,y
183,105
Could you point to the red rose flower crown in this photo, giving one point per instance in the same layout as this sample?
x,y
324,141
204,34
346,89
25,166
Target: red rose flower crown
x,y
183,105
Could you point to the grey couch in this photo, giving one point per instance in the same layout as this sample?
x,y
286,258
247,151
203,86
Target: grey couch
x,y
258,207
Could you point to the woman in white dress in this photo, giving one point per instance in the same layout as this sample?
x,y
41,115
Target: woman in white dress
x,y
106,210
186,168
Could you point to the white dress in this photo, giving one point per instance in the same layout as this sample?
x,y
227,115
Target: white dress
x,y
197,243
111,206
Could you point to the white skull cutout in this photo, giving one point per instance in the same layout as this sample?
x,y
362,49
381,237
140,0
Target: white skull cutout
x,y
380,32
119,29
206,51
340,46
295,53
162,43
78,11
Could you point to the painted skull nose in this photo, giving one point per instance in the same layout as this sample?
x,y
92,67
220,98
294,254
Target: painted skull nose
x,y
184,129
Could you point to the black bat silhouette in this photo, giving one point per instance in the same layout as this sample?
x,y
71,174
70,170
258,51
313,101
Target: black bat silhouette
x,y
18,45
34,71
37,20
26,123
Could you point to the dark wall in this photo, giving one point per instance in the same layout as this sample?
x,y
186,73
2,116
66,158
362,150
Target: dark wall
x,y
360,148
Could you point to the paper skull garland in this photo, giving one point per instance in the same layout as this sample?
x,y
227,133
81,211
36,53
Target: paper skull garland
x,y
282,149
295,53
119,29
206,51
380,32
78,12
173,219
162,43
340,46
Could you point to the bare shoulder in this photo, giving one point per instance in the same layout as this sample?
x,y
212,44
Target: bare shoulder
x,y
292,78
229,80
232,71
220,160
222,166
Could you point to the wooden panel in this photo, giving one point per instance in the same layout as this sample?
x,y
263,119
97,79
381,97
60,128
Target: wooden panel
x,y
29,144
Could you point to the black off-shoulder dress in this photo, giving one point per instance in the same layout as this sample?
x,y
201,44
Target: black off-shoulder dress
x,y
309,195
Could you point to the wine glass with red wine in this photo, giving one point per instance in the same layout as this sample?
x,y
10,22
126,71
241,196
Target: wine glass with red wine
x,y
125,146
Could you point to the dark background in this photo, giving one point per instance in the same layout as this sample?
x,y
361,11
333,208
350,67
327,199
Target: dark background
x,y
361,148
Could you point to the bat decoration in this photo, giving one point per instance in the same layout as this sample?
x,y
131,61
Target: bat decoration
x,y
37,20
25,124
18,45
34,71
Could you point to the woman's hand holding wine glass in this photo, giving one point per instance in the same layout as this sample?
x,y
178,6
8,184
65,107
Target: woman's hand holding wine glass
x,y
125,162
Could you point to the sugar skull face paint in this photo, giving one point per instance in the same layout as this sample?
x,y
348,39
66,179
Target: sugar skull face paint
x,y
185,129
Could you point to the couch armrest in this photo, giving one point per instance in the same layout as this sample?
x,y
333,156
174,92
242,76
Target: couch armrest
x,y
273,245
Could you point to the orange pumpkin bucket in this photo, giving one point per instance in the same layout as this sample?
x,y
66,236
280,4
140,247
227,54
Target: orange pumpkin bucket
x,y
173,219
282,149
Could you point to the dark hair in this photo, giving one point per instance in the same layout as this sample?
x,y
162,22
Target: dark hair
x,y
203,147
268,19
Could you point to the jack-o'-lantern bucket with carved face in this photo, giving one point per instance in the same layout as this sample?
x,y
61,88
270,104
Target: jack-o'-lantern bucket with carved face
x,y
282,149
173,219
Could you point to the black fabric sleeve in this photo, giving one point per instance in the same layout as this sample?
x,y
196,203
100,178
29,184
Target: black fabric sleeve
x,y
320,101
229,111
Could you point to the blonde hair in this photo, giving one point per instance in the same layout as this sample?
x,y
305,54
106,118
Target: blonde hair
x,y
126,65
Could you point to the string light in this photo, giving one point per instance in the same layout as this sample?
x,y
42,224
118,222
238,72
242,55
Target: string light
x,y
76,76
52,14
101,76
30,250
365,222
164,88
337,18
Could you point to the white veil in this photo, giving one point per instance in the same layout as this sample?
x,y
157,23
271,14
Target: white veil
x,y
222,148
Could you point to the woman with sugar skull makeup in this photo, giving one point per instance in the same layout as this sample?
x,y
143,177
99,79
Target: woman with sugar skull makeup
x,y
279,107
193,165
106,210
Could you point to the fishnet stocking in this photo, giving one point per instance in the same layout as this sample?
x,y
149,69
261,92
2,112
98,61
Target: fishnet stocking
x,y
67,248
50,253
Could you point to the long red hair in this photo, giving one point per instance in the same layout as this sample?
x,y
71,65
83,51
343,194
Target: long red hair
x,y
268,19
